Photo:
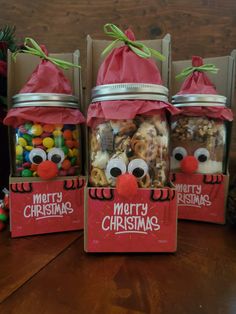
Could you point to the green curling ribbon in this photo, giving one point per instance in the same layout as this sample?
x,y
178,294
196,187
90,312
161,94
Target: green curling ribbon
x,y
34,49
137,47
211,68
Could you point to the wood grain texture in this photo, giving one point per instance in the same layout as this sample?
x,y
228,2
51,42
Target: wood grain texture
x,y
199,278
22,258
204,27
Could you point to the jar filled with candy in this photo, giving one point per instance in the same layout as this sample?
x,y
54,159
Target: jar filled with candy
x,y
137,146
44,147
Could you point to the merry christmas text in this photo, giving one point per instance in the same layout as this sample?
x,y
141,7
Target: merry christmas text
x,y
191,195
47,205
130,218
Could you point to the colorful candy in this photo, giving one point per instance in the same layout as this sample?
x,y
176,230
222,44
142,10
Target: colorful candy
x,y
67,134
48,142
28,126
37,141
19,150
22,129
4,209
36,130
26,173
22,141
70,143
57,132
66,164
59,141
48,128
54,143
75,134
28,147
28,138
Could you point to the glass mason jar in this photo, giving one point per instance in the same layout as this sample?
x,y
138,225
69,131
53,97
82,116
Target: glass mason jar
x,y
198,143
50,149
138,146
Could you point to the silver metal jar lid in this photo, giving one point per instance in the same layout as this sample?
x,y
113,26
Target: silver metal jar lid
x,y
193,100
45,100
129,91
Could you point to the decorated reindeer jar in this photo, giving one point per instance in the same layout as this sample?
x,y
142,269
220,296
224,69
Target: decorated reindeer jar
x,y
138,146
45,117
128,130
47,135
198,133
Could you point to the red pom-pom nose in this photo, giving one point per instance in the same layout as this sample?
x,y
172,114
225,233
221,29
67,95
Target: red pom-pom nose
x,y
189,164
127,185
197,61
47,170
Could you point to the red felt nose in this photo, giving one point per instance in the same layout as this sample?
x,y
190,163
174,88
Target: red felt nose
x,y
189,164
127,185
47,170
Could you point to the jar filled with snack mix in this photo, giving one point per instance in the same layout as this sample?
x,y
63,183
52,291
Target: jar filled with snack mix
x,y
128,129
137,146
198,131
198,142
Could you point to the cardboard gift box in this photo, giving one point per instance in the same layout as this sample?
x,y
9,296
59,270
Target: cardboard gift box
x,y
39,206
146,223
203,197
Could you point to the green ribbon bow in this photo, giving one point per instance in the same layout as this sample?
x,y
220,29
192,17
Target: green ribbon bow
x,y
34,49
203,68
136,46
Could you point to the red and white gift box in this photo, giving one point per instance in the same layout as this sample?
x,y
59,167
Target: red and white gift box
x,y
204,197
147,223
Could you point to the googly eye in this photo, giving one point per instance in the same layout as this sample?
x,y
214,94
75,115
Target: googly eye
x,y
138,167
202,154
179,153
115,167
56,155
37,155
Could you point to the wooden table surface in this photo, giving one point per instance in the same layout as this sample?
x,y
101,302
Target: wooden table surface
x,y
52,274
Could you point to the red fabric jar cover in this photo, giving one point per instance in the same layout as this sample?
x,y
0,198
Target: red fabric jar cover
x,y
47,115
199,83
46,78
122,65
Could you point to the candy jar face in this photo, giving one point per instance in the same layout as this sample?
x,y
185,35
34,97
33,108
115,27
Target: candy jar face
x,y
197,145
47,150
138,147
